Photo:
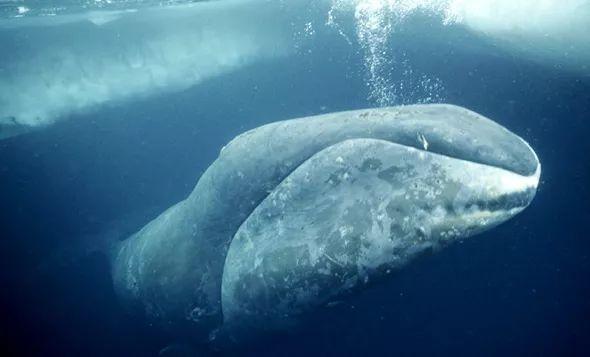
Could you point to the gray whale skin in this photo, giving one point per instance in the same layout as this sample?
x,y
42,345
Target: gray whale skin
x,y
295,214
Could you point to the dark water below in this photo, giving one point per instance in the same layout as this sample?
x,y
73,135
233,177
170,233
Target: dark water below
x,y
520,289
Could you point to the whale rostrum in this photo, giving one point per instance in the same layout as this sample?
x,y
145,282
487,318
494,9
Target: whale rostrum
x,y
295,214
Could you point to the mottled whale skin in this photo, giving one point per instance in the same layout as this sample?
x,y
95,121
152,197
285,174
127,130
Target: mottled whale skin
x,y
294,214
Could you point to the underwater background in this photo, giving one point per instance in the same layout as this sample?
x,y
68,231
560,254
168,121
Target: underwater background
x,y
108,166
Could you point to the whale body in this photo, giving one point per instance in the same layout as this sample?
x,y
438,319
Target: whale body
x,y
295,214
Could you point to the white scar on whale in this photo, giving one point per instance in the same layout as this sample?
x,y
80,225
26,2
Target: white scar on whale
x,y
296,214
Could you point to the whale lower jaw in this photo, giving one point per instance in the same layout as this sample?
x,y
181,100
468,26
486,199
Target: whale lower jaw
x,y
376,207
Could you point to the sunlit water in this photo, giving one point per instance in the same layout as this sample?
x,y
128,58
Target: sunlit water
x,y
111,110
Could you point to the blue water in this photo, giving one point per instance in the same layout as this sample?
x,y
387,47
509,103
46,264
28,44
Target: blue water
x,y
520,289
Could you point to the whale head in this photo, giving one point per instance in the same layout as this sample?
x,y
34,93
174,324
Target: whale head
x,y
366,206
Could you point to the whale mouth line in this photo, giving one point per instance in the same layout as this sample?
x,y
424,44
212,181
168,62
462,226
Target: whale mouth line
x,y
503,202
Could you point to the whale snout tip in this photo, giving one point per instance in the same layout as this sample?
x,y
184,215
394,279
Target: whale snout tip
x,y
530,187
524,189
496,195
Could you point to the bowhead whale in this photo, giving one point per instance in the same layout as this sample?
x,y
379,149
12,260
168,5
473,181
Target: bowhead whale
x,y
297,213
